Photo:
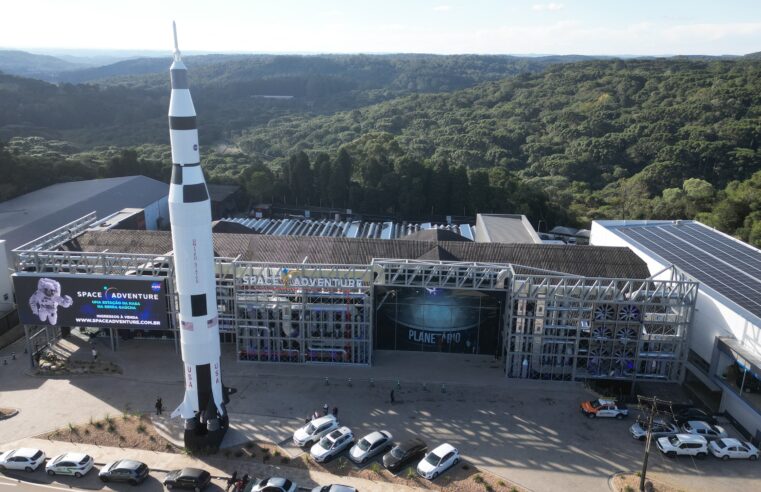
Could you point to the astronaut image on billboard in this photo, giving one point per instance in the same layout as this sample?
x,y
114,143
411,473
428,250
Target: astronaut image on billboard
x,y
46,299
438,320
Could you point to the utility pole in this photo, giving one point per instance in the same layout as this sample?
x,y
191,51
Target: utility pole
x,y
653,401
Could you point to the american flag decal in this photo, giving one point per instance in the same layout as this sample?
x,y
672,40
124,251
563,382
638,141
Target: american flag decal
x,y
187,325
212,322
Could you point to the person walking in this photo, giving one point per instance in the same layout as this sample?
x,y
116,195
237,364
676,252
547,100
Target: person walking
x,y
316,415
325,409
335,412
94,354
392,396
159,406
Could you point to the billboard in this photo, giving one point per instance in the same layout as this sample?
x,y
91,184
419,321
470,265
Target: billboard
x,y
61,299
438,320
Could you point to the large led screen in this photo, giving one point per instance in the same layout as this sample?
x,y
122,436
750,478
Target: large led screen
x,y
97,301
438,320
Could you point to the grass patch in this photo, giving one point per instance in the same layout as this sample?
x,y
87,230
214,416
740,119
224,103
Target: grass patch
x,y
141,429
411,473
478,479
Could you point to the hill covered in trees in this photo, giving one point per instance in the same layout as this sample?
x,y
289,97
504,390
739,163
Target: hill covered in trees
x,y
563,143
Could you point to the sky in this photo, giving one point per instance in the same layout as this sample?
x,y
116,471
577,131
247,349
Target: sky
x,y
592,27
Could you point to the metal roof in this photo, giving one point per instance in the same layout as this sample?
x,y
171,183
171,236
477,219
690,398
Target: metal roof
x,y
591,261
348,228
29,216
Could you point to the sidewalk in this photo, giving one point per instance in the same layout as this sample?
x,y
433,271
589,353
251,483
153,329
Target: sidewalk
x,y
217,466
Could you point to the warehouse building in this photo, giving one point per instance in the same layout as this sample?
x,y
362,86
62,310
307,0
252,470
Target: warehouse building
x,y
544,311
724,351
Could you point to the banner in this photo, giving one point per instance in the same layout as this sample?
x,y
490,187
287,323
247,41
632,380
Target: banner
x,y
61,299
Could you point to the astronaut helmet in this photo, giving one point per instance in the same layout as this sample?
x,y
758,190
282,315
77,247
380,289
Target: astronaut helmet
x,y
49,287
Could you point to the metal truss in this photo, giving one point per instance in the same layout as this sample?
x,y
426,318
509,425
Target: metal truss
x,y
439,274
56,237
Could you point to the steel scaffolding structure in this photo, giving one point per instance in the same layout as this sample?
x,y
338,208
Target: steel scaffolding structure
x,y
554,325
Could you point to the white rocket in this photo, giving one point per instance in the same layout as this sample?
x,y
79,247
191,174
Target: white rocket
x,y
203,407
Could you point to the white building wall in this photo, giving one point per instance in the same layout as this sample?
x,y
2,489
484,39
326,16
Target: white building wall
x,y
740,411
6,287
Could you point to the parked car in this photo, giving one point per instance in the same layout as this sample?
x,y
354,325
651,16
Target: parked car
x,y
660,428
693,413
404,453
603,407
729,448
334,488
314,430
438,461
27,459
272,484
332,444
683,445
372,444
77,464
704,429
187,478
130,471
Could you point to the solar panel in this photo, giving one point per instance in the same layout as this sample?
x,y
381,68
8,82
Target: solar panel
x,y
723,264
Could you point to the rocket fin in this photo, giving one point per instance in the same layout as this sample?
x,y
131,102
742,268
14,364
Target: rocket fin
x,y
185,410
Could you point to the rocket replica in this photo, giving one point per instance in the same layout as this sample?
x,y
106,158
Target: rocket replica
x,y
203,407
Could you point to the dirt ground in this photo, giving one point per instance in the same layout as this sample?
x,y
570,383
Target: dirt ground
x,y
629,482
126,431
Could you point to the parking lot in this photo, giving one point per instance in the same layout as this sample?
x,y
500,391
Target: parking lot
x,y
530,432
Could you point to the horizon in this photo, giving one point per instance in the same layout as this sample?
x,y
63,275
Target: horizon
x,y
483,27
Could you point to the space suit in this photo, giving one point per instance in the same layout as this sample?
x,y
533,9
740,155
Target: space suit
x,y
44,302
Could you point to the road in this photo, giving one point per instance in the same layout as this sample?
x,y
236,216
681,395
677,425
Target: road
x,y
38,481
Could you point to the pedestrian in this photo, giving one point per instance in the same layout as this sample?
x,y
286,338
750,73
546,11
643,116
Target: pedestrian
x,y
315,415
244,482
325,409
392,396
159,406
335,412
231,481
94,354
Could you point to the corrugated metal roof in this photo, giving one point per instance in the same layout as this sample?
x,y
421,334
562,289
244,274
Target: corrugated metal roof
x,y
350,229
589,261
29,216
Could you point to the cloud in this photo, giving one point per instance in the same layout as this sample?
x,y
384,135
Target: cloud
x,y
547,7
442,8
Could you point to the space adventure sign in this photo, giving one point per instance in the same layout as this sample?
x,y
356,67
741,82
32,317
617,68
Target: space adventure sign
x,y
304,279
60,299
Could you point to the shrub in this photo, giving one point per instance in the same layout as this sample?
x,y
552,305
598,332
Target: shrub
x,y
410,473
239,454
99,425
628,488
111,428
141,429
376,468
87,432
342,463
276,453
285,460
151,438
489,488
513,489
72,428
168,446
502,483
478,479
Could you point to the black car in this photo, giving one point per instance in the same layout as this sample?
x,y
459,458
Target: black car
x,y
403,453
187,478
130,471
693,413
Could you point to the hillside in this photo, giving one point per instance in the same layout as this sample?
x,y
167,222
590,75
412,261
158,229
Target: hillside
x,y
25,64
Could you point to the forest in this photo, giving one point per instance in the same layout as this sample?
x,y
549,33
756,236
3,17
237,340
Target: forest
x,y
562,142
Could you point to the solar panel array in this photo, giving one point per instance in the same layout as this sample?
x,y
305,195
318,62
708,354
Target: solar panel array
x,y
351,229
729,267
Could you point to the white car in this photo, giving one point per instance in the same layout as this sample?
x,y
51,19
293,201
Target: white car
x,y
332,444
77,464
273,484
704,429
661,428
27,459
370,445
683,445
438,461
727,448
314,430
